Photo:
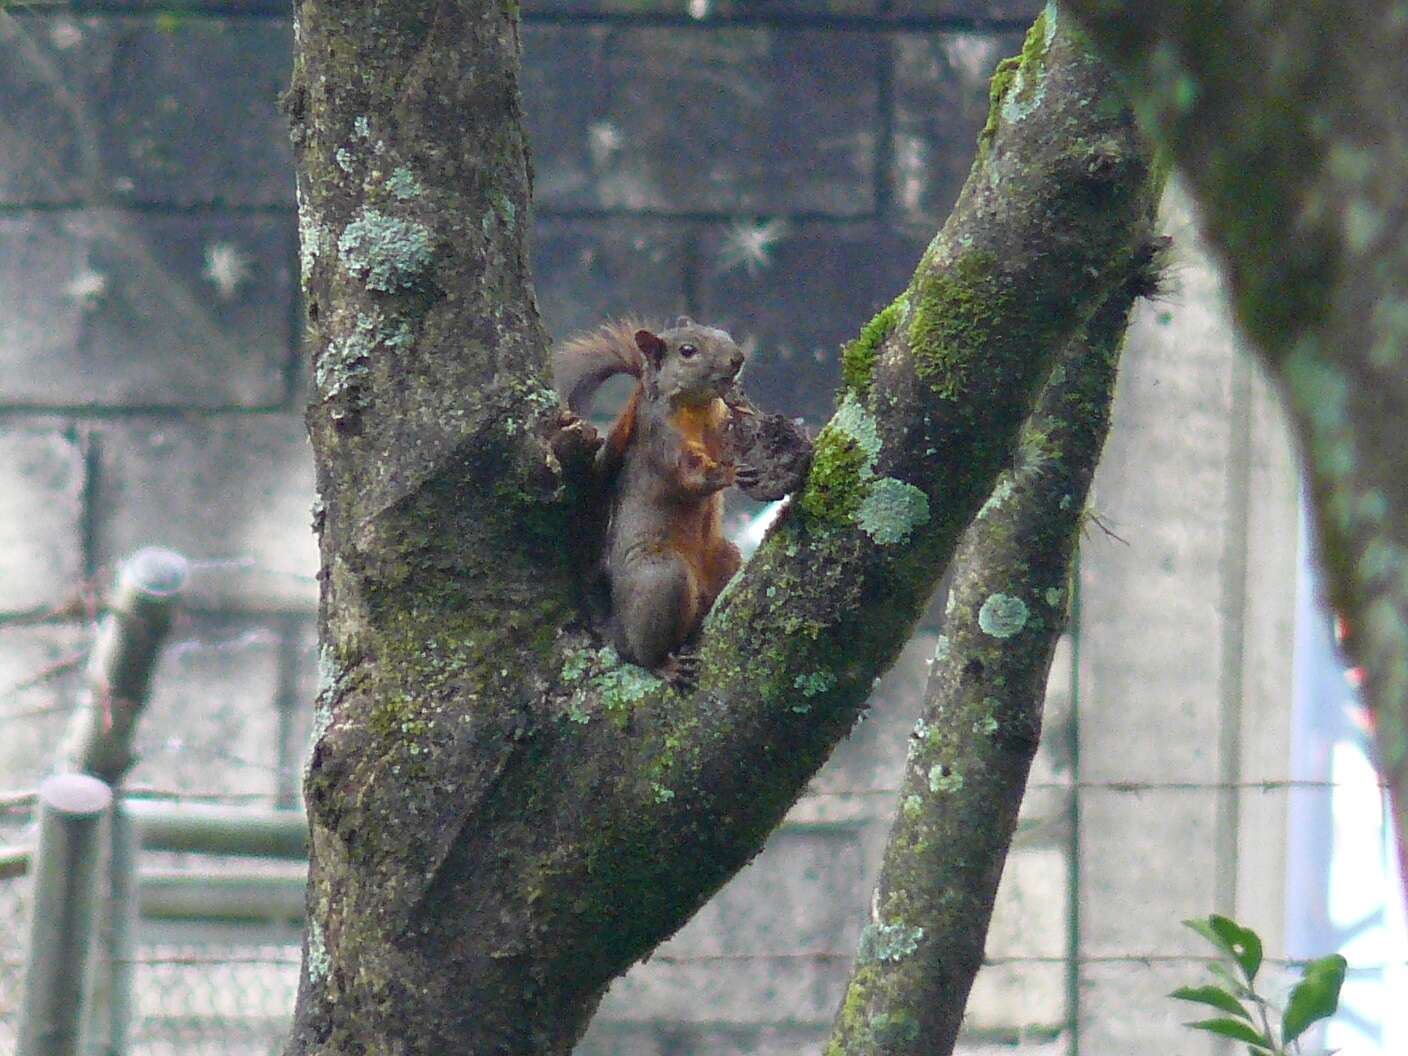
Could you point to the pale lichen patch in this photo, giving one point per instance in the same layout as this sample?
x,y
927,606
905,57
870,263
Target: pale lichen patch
x,y
815,683
311,235
1001,492
319,963
389,253
887,943
322,722
856,422
403,184
944,778
891,510
1002,615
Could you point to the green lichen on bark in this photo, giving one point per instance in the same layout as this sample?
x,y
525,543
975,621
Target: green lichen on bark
x,y
887,943
1019,75
891,510
1002,615
388,252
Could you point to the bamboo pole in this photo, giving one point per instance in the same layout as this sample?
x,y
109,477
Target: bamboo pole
x,y
68,866
200,829
99,741
113,998
222,897
14,861
206,829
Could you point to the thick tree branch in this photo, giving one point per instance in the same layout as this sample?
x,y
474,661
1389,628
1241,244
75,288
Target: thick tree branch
x,y
1288,122
973,746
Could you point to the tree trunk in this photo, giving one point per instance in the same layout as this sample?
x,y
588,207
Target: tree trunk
x,y
504,816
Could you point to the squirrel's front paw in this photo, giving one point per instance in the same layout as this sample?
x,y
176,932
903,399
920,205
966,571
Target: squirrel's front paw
x,y
574,441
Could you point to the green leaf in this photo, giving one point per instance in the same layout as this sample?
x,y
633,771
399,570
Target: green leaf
x,y
1212,995
1234,985
1203,928
1315,997
1234,1029
1242,944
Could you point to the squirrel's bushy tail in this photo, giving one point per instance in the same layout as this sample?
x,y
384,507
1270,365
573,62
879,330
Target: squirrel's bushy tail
x,y
581,363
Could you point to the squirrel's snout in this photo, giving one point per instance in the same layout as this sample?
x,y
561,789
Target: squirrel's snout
x,y
735,361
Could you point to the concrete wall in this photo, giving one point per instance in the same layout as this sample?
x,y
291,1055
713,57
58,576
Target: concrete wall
x,y
772,167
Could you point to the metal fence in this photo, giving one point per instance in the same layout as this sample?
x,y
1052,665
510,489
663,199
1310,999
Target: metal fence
x,y
14,914
199,986
224,728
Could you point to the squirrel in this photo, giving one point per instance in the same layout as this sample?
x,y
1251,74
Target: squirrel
x,y
664,464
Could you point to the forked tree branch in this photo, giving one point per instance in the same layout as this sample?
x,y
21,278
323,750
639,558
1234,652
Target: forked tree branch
x,y
505,817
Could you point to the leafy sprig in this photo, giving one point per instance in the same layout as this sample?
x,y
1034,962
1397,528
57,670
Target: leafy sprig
x,y
1248,1014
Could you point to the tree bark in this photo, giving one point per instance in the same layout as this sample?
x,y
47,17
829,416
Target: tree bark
x,y
1288,121
504,817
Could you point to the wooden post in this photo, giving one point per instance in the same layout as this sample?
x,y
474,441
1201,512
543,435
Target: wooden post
x,y
99,741
68,866
110,1007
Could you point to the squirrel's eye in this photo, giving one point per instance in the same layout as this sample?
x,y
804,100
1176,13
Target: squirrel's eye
x,y
687,350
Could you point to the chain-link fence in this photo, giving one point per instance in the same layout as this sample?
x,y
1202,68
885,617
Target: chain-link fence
x,y
14,915
198,988
213,998
226,724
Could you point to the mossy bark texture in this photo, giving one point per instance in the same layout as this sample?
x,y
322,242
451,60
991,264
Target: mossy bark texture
x,y
1288,121
970,752
504,816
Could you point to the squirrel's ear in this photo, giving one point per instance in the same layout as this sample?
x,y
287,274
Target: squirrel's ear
x,y
652,347
682,322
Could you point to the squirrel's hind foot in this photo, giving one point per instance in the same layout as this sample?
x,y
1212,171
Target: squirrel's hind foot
x,y
680,670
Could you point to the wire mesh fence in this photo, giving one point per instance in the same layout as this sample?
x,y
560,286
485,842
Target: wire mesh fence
x,y
14,914
213,998
227,723
217,992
